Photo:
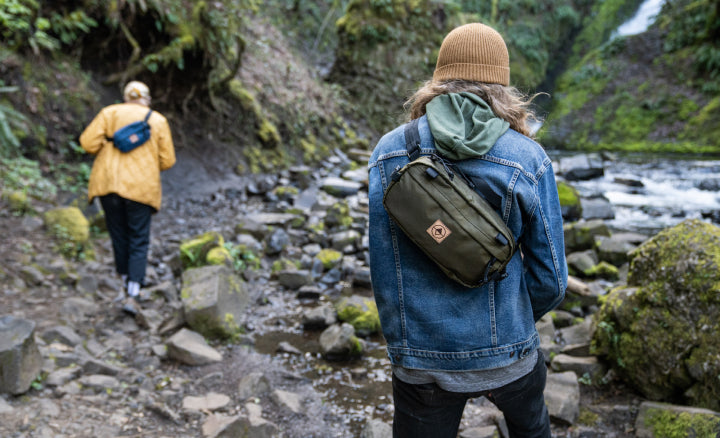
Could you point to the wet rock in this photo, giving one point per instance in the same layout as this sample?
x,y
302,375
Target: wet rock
x,y
319,317
581,167
615,250
581,366
286,347
581,235
360,312
62,334
87,284
309,292
288,400
62,376
294,278
191,348
578,333
340,187
99,382
345,239
31,275
562,396
5,407
252,385
76,309
597,208
214,299
340,342
276,241
95,366
657,419
20,359
582,261
209,402
375,428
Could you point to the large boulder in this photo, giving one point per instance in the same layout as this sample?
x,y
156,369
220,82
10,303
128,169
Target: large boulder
x,y
660,331
214,300
20,359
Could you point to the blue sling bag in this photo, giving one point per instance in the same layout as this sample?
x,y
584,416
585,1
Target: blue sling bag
x,y
133,135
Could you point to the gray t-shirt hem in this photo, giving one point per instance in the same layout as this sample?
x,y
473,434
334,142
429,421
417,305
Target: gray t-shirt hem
x,y
469,381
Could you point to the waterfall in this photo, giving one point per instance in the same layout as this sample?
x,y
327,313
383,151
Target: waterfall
x,y
643,18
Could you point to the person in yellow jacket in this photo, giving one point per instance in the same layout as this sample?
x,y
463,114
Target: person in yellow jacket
x,y
128,183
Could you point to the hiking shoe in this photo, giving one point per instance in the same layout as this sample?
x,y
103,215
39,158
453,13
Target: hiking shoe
x,y
130,306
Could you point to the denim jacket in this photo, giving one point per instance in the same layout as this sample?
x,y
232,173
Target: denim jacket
x,y
431,322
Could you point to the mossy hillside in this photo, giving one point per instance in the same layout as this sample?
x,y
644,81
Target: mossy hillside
x,y
642,93
659,332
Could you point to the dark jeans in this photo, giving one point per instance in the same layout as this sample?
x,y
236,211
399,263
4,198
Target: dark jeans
x,y
429,411
128,223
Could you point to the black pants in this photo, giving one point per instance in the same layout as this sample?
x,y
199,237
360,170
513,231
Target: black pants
x,y
429,411
128,223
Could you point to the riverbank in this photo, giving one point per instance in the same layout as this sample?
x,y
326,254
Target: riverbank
x,y
108,374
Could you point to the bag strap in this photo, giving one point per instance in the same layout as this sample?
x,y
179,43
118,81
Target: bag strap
x,y
412,139
412,144
147,117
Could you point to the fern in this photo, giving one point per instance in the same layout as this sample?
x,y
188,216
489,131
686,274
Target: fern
x,y
10,120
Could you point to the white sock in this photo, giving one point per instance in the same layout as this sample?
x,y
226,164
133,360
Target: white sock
x,y
133,288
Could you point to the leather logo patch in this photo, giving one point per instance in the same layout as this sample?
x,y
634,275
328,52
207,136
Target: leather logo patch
x,y
438,231
134,138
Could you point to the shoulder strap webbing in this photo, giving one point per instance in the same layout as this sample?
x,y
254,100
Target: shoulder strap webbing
x,y
148,116
412,139
412,144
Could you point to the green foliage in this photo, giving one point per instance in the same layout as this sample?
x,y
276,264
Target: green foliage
x,y
12,125
24,25
242,257
21,174
696,24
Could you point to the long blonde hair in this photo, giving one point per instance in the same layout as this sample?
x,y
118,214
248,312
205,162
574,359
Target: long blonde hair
x,y
508,103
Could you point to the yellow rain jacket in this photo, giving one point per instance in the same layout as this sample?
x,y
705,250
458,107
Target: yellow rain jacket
x,y
133,175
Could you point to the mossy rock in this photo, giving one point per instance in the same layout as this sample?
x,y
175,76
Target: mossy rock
x,y
219,256
660,331
603,270
193,252
17,201
569,201
362,314
68,225
338,215
329,257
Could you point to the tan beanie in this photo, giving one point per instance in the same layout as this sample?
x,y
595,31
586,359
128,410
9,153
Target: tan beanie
x,y
473,52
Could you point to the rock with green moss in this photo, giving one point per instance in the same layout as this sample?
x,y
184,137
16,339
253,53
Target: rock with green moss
x,y
662,420
68,225
17,201
361,313
214,300
194,252
219,256
329,258
583,235
660,331
338,342
603,270
569,201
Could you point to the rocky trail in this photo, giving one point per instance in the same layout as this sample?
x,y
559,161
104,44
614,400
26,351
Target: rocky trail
x,y
106,374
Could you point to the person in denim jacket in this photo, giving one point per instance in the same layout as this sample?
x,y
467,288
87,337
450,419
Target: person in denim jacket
x,y
448,343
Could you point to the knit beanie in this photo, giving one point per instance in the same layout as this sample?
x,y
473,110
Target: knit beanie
x,y
136,90
473,52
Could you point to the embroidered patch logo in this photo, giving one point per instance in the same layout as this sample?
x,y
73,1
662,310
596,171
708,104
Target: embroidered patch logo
x,y
134,138
438,231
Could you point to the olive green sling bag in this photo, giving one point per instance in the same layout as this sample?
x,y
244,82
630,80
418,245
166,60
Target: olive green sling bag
x,y
437,207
